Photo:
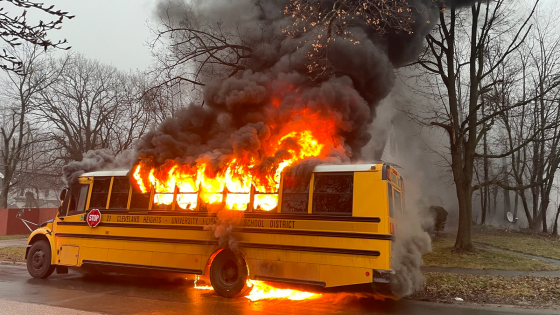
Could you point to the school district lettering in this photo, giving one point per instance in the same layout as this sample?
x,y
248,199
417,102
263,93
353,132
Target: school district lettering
x,y
282,224
128,218
152,220
184,220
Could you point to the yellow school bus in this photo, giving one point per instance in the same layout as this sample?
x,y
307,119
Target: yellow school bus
x,y
333,230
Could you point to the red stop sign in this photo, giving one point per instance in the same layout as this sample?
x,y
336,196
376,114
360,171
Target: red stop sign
x,y
93,217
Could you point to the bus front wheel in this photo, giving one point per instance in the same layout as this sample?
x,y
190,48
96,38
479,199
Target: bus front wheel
x,y
39,260
228,274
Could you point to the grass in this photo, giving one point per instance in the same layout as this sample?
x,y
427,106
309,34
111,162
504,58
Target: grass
x,y
535,244
13,237
13,254
528,291
441,256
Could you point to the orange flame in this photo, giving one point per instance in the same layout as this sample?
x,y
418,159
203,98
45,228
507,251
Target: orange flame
x,y
263,291
231,184
201,287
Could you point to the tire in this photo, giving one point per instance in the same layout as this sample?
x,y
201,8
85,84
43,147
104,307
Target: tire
x,y
39,260
228,274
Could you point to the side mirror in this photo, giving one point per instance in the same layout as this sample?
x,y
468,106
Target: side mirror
x,y
63,194
20,213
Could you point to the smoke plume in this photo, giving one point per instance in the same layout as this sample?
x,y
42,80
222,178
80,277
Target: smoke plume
x,y
276,90
411,242
223,228
96,160
259,113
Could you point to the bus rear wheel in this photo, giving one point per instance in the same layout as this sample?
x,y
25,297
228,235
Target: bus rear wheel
x,y
39,260
228,274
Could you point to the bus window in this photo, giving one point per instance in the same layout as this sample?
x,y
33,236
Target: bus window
x,y
139,200
332,193
100,192
265,202
78,199
398,202
295,195
119,193
187,200
390,196
163,200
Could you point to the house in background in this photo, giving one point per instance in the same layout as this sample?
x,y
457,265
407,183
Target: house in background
x,y
385,146
34,190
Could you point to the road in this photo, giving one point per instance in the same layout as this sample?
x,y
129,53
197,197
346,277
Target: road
x,y
75,293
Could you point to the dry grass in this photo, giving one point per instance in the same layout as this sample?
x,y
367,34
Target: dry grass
x,y
532,244
539,292
441,256
13,254
13,237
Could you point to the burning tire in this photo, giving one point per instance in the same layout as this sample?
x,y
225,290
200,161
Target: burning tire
x,y
228,274
39,260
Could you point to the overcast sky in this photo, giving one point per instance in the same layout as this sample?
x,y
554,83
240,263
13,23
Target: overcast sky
x,y
111,31
115,31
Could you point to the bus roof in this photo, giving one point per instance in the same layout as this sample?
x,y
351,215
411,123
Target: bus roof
x,y
107,173
318,169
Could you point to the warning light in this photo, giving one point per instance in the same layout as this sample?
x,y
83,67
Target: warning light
x,y
367,273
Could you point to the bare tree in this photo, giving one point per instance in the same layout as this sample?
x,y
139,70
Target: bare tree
x,y
333,20
92,106
195,48
17,132
463,52
15,30
537,162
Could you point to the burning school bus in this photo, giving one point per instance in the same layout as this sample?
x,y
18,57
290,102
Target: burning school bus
x,y
334,229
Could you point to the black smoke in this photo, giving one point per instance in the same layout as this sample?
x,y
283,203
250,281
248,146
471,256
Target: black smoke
x,y
273,89
96,160
362,76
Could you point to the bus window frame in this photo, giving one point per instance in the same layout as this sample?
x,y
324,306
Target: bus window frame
x,y
84,190
64,206
390,199
169,207
179,208
399,207
110,194
308,190
312,194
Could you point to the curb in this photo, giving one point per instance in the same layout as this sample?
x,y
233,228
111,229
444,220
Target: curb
x,y
13,263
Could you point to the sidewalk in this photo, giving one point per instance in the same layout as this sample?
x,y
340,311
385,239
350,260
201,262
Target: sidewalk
x,y
20,242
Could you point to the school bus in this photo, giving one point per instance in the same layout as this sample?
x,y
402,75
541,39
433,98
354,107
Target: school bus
x,y
333,230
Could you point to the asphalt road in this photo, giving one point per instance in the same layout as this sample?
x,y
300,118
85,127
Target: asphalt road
x,y
75,293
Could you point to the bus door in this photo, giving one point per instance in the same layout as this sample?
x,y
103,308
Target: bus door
x,y
72,209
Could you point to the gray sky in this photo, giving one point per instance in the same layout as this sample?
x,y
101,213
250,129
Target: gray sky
x,y
111,31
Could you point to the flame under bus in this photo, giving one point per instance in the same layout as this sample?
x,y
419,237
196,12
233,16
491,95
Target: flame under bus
x,y
334,229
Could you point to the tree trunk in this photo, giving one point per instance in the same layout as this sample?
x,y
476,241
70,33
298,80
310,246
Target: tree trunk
x,y
543,215
482,207
507,203
515,205
485,189
555,228
463,240
4,194
495,203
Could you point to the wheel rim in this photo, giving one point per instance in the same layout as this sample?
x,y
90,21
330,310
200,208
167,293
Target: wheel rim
x,y
38,259
229,273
